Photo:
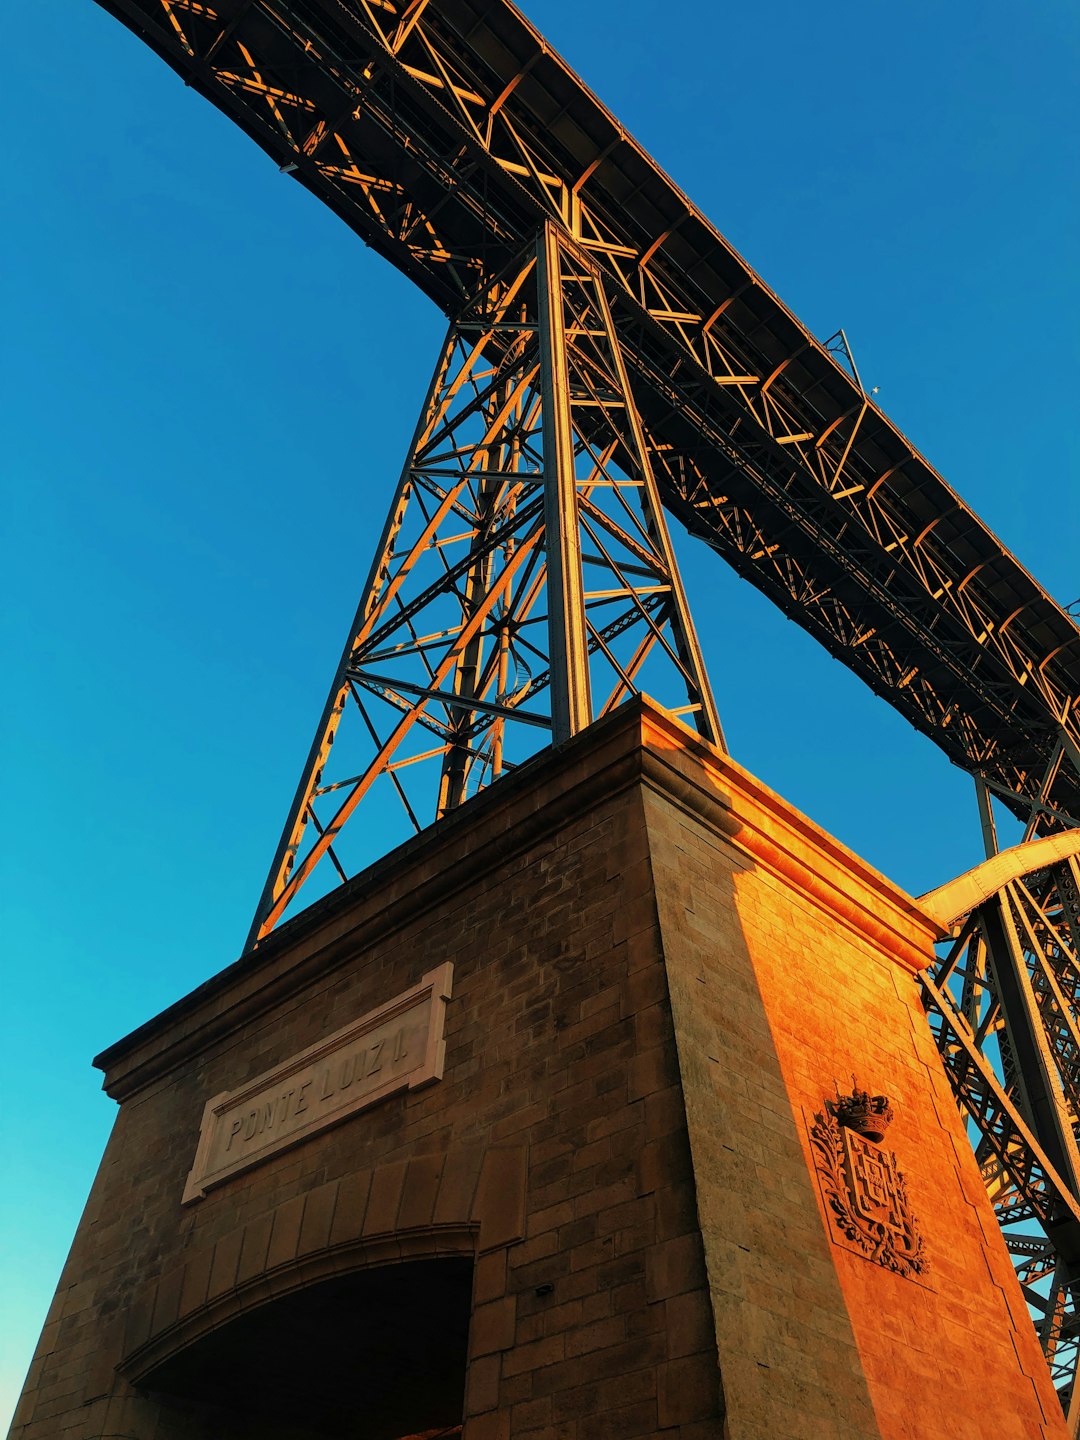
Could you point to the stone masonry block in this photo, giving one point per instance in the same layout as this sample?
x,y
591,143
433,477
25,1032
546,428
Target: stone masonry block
x,y
285,1235
387,1183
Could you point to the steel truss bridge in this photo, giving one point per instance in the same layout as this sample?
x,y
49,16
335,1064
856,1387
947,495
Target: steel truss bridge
x,y
610,359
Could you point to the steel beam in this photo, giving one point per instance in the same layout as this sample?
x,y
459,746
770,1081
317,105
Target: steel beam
x,y
571,700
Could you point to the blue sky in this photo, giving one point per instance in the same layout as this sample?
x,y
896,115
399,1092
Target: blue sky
x,y
210,384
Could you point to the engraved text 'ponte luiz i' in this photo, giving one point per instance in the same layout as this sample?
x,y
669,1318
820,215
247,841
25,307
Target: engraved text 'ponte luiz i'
x,y
398,1046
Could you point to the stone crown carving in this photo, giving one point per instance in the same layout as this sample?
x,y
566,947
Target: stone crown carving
x,y
868,1115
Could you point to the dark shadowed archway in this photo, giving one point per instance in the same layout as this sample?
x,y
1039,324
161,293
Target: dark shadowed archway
x,y
378,1354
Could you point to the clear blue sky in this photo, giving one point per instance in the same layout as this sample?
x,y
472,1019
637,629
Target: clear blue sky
x,y
209,385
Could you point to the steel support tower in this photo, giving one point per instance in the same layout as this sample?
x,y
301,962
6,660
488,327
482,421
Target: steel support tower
x,y
610,357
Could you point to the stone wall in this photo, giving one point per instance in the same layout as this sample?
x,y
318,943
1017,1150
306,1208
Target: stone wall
x,y
560,1069
792,968
660,971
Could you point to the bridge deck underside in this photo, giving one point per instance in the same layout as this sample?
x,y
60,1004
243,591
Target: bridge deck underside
x,y
445,137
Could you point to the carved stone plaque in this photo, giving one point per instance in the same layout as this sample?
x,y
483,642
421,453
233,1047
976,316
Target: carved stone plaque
x,y
396,1047
864,1188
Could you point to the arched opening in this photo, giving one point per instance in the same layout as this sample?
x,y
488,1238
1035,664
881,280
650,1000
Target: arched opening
x,y
376,1354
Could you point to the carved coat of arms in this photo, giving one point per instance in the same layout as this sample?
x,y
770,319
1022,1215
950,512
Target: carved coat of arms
x,y
862,1183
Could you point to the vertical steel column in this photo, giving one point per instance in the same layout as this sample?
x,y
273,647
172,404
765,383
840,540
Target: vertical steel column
x,y
1040,1092
1038,1086
571,701
986,817
455,772
708,717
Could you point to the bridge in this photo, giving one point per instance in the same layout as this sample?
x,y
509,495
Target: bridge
x,y
597,316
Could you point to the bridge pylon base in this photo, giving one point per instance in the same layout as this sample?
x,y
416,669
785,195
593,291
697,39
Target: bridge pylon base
x,y
610,1108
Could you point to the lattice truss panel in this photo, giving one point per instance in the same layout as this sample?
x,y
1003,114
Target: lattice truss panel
x,y
1005,1011
445,132
525,582
846,625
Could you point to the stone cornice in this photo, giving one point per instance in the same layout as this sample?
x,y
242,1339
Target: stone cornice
x,y
772,834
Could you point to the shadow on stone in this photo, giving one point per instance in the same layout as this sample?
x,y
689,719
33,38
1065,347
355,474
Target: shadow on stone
x,y
379,1353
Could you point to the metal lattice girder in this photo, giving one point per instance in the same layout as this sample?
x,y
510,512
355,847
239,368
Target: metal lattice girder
x,y
445,132
1023,1183
1004,1010
524,583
